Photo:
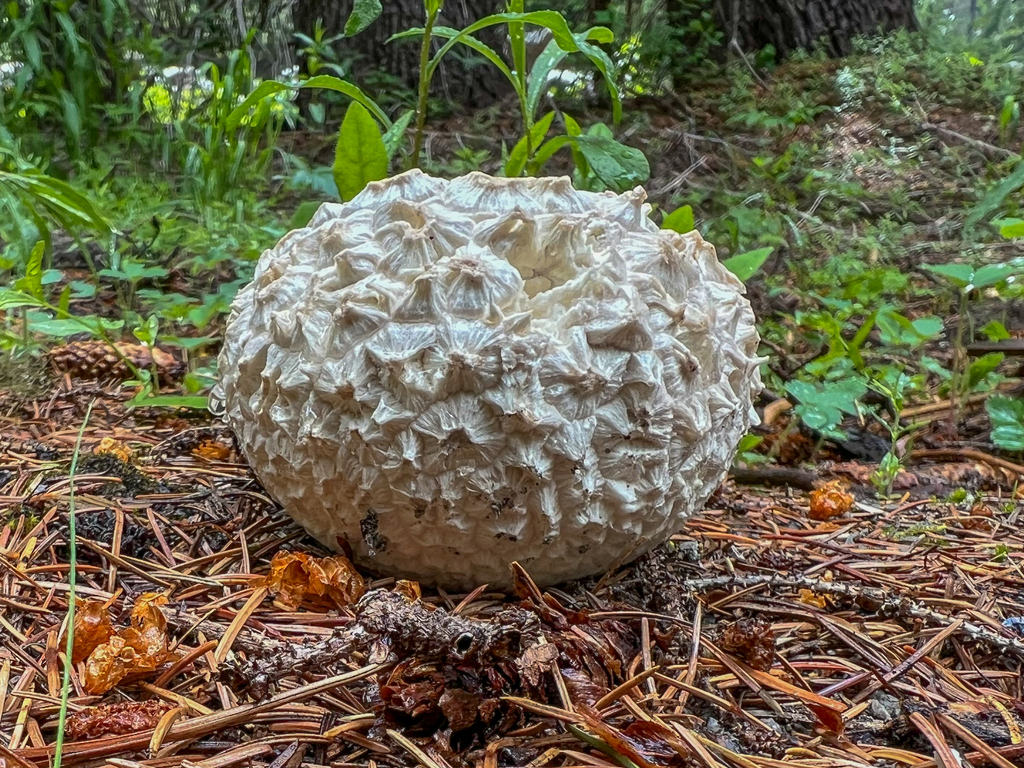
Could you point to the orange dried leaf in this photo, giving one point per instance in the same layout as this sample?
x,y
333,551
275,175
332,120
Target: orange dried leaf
x,y
109,664
92,629
331,582
140,648
115,719
213,450
110,447
813,598
410,590
831,500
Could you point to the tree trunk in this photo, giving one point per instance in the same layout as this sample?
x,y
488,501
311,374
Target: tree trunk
x,y
789,25
463,78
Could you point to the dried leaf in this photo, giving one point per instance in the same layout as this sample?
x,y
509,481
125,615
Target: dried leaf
x,y
115,719
752,640
110,447
831,500
327,582
92,629
213,450
142,647
111,662
409,589
809,597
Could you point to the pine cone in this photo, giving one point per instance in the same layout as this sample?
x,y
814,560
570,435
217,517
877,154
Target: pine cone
x,y
96,360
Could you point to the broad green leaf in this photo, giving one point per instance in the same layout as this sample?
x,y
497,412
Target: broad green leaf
x,y
995,331
749,442
1011,228
992,201
620,167
960,274
540,73
515,164
968,278
364,13
303,214
360,156
680,220
33,52
822,406
572,128
72,326
1007,417
745,265
33,281
393,136
993,274
980,369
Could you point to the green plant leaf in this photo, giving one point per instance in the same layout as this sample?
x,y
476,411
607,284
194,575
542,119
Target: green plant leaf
x,y
745,265
680,220
198,402
303,214
1007,417
515,164
360,156
364,13
980,369
62,202
540,72
822,406
32,283
393,136
262,91
992,201
1011,228
620,167
960,274
328,82
331,83
551,57
470,42
562,35
995,331
547,150
993,274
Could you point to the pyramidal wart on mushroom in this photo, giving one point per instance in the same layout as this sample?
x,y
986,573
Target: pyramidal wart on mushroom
x,y
448,376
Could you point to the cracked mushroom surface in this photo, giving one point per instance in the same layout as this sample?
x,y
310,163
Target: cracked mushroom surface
x,y
449,376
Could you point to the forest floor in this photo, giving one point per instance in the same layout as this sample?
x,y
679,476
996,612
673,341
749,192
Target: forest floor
x,y
764,634
860,629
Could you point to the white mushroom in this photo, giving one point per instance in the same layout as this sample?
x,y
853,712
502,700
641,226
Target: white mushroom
x,y
449,376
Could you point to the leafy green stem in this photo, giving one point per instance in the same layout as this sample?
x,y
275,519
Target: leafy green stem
x,y
426,72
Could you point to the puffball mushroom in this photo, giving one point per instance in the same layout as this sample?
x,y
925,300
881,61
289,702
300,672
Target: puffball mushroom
x,y
444,377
